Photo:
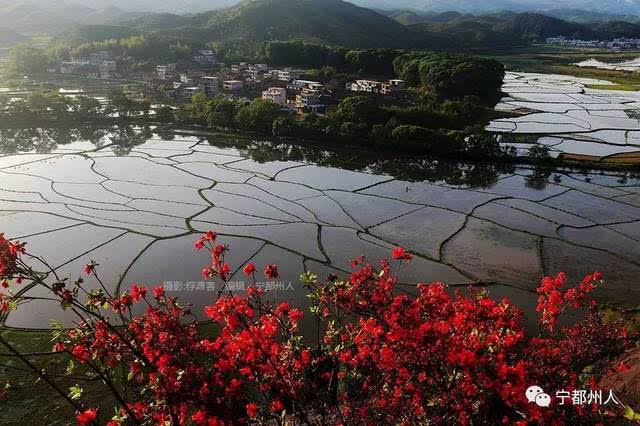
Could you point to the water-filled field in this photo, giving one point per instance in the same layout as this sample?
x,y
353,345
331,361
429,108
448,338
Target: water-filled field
x,y
134,201
563,113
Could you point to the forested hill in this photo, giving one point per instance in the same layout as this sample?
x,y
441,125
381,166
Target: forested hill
x,y
525,27
246,26
330,21
342,23
327,21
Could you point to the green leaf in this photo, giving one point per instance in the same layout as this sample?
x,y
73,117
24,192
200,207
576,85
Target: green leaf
x,y
629,414
308,278
75,392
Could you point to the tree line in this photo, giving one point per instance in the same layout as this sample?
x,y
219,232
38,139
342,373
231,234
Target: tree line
x,y
432,127
48,107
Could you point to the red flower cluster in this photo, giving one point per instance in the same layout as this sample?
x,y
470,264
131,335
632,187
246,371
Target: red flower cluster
x,y
399,253
9,253
443,359
271,271
553,301
87,417
436,357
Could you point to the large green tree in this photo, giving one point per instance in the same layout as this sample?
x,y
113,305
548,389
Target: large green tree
x,y
259,115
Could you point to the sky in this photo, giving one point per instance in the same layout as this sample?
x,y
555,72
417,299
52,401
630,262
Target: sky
x,y
194,6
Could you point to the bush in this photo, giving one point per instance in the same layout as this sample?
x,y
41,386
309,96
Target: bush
x,y
384,357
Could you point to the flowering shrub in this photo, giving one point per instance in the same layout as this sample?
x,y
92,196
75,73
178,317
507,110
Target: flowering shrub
x,y
383,357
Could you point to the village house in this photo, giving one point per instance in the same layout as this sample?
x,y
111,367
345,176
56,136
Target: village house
x,y
287,74
205,57
277,95
239,68
166,71
209,85
369,86
305,85
372,86
186,79
393,86
188,92
256,70
98,58
615,44
308,102
232,85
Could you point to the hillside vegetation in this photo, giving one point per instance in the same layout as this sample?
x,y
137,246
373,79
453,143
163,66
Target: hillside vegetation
x,y
508,26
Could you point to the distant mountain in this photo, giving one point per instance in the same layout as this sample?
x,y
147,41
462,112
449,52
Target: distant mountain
x,y
147,6
585,16
38,17
616,7
329,21
490,29
191,7
406,17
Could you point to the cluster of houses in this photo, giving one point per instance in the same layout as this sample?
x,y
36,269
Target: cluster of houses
x,y
372,86
306,96
615,44
282,86
102,65
97,64
243,81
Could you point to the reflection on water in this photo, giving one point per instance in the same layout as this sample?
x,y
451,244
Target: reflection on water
x,y
134,199
123,138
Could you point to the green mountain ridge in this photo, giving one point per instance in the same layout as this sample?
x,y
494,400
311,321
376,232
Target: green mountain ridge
x,y
330,21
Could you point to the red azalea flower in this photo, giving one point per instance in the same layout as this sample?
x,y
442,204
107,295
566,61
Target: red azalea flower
x,y
158,292
249,269
87,417
199,417
138,292
81,353
271,271
399,253
622,367
224,271
276,406
252,410
90,268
